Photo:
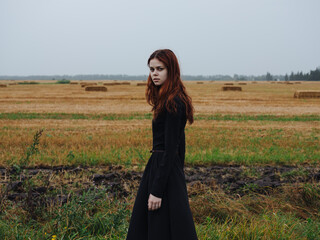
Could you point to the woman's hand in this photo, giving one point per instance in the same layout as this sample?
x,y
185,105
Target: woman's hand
x,y
154,202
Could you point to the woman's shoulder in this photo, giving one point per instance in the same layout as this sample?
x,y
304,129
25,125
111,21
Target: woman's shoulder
x,y
178,102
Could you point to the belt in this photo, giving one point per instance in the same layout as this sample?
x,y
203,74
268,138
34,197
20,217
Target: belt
x,y
156,150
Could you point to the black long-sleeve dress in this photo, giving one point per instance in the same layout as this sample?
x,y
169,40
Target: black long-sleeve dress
x,y
164,177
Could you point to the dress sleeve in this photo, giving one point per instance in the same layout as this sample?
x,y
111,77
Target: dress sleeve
x,y
172,129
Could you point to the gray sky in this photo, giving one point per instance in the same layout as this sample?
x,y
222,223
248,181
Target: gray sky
x,y
117,36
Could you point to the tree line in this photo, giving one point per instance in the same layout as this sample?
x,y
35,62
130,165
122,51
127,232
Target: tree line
x,y
313,75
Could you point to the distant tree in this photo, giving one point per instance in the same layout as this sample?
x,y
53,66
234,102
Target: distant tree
x,y
235,76
286,77
315,75
291,78
269,77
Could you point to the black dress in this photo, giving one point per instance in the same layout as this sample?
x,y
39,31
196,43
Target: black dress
x,y
164,177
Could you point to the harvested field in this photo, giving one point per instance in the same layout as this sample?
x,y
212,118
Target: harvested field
x,y
251,164
141,84
208,99
307,94
199,82
231,88
109,84
96,88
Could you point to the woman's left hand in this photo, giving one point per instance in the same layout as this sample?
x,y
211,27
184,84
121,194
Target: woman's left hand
x,y
154,202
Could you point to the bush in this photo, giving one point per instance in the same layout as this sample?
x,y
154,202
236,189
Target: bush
x,y
63,81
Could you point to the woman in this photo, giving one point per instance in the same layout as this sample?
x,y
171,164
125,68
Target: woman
x,y
161,210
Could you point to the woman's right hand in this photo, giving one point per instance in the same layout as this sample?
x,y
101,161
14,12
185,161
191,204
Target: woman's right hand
x,y
154,202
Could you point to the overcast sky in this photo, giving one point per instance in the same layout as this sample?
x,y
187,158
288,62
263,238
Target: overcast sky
x,y
44,37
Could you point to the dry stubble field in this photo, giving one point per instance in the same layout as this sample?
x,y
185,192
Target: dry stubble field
x,y
251,160
115,126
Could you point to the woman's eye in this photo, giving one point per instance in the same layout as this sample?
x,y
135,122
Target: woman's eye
x,y
160,69
151,69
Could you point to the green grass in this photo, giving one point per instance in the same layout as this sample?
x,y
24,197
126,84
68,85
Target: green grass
x,y
21,116
83,217
204,145
63,81
216,117
267,226
93,215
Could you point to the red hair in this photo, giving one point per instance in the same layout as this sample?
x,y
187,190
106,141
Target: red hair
x,y
163,96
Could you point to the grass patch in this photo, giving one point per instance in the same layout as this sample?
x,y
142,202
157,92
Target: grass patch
x,y
216,117
130,144
63,81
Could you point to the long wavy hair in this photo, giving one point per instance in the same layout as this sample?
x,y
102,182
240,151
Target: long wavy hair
x,y
160,97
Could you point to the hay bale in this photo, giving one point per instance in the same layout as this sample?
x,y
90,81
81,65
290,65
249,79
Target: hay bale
x,y
96,88
288,83
231,88
242,83
88,84
125,83
254,82
228,84
141,84
109,84
307,94
3,85
297,82
74,83
199,82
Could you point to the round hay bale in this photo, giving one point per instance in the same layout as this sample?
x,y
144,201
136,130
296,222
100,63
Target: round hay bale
x,y
96,88
72,83
125,83
242,83
228,84
88,84
3,85
307,94
199,82
231,88
109,84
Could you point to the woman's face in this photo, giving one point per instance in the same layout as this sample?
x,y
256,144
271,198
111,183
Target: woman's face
x,y
158,72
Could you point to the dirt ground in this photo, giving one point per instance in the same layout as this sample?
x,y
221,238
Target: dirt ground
x,y
234,180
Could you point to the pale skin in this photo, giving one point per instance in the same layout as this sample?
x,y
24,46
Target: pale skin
x,y
159,75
